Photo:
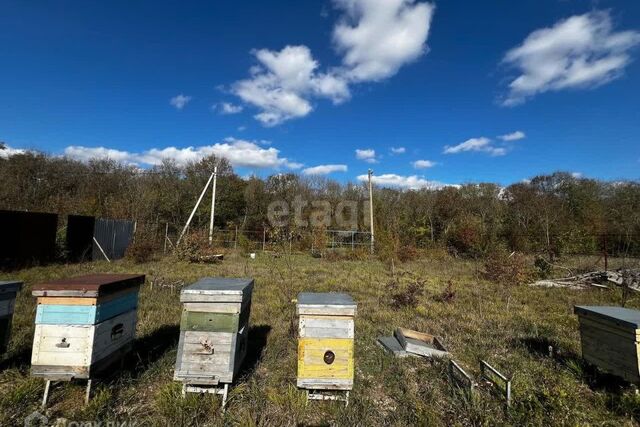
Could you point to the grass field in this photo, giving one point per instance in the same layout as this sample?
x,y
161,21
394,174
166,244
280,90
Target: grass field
x,y
510,327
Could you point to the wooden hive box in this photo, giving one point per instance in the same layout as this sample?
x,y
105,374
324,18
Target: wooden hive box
x,y
8,292
325,341
83,324
214,330
609,338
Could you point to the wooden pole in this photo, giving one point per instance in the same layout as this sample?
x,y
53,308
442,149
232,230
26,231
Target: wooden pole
x,y
235,242
193,212
213,204
166,236
264,238
371,211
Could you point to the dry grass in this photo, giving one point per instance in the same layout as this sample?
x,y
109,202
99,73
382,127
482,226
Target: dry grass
x,y
510,326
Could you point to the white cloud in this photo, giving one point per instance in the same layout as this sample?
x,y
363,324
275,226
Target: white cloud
x,y
324,169
577,175
283,83
413,182
229,108
367,154
398,150
481,144
378,37
238,152
581,51
423,164
180,101
513,136
7,151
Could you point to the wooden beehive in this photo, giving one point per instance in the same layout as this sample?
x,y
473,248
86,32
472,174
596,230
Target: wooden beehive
x,y
213,330
83,324
610,338
8,292
325,341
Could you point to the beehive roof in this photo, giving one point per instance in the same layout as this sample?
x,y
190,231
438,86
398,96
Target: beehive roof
x,y
622,316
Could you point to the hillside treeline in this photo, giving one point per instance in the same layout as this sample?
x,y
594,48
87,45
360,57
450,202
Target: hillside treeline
x,y
552,214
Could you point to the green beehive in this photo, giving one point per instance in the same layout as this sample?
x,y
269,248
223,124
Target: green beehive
x,y
213,332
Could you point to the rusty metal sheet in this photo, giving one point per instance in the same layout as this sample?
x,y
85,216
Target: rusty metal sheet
x,y
92,285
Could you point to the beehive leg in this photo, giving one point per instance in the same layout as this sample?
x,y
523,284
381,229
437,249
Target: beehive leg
x,y
87,392
224,396
184,390
346,400
45,397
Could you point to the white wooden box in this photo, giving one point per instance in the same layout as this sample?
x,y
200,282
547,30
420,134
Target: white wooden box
x,y
78,351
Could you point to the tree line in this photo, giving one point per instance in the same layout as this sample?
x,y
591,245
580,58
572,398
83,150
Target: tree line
x,y
552,214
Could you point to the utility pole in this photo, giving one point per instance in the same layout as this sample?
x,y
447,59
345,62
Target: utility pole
x,y
213,204
371,210
193,212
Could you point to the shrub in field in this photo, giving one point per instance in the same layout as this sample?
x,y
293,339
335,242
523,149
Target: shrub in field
x,y
448,293
141,251
195,247
465,235
508,269
407,295
407,253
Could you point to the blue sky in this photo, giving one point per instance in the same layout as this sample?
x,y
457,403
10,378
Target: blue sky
x,y
302,86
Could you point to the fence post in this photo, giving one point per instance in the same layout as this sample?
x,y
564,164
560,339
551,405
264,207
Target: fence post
x,y
352,234
166,236
235,241
264,238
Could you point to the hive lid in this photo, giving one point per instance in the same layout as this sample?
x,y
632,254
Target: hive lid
x,y
624,317
230,289
327,303
92,285
10,286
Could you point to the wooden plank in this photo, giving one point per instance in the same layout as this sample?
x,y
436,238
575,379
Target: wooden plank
x,y
229,308
212,322
7,307
55,345
113,334
325,384
326,327
70,300
420,343
311,358
85,314
66,301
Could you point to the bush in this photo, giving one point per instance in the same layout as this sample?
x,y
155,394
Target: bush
x,y
407,253
405,296
195,247
141,251
508,269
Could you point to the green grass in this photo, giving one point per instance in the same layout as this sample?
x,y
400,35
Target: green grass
x,y
509,327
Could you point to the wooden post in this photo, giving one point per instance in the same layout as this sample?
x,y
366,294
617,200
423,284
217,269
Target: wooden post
x,y
166,236
235,242
371,210
213,204
264,238
193,212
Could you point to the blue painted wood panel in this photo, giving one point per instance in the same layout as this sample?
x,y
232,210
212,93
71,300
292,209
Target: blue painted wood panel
x,y
85,314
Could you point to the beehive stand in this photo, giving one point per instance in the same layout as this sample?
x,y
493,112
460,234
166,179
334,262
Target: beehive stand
x,y
84,325
213,334
325,345
8,293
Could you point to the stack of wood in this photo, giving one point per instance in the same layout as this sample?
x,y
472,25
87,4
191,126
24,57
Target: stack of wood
x,y
406,342
629,278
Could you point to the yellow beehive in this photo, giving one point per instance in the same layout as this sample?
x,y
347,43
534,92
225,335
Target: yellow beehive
x,y
325,346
